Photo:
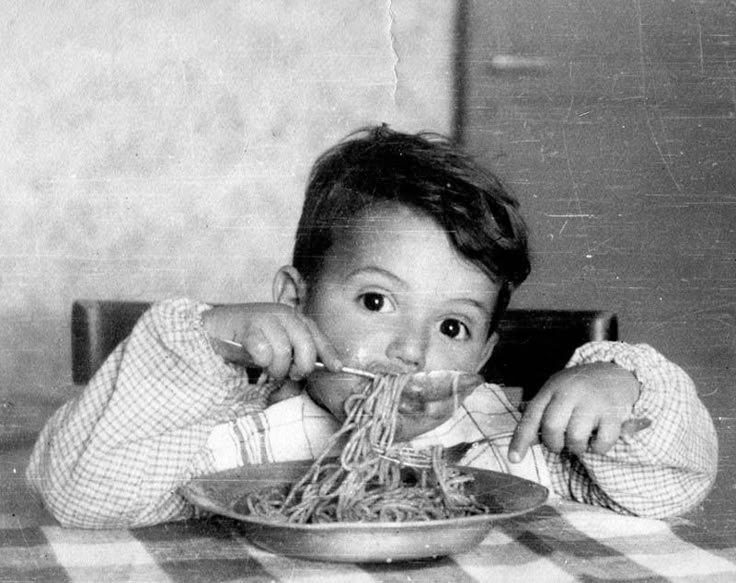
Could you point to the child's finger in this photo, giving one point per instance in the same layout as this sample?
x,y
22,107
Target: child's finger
x,y
303,348
527,430
325,350
606,435
579,431
256,349
231,351
555,422
270,347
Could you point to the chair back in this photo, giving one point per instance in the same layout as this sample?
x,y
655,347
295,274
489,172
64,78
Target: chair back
x,y
533,343
98,326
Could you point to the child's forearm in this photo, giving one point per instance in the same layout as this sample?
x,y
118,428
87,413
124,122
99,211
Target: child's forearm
x,y
115,455
661,471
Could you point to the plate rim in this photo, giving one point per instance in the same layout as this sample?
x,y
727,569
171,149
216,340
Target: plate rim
x,y
198,498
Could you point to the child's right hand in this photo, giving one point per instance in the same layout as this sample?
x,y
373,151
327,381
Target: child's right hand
x,y
275,337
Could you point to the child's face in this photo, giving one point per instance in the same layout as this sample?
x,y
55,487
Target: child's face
x,y
394,296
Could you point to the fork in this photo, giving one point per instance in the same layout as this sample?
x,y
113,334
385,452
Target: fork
x,y
320,365
421,380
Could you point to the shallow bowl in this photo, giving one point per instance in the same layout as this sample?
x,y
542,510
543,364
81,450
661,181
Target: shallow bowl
x,y
222,493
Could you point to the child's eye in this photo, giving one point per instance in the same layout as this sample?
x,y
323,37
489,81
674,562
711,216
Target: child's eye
x,y
455,329
375,302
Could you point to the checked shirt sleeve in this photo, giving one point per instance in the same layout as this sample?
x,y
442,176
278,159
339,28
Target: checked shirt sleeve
x,y
115,456
663,470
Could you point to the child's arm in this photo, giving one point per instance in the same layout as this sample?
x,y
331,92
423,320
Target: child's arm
x,y
115,455
660,471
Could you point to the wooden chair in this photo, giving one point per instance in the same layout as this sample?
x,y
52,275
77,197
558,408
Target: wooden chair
x,y
533,344
98,326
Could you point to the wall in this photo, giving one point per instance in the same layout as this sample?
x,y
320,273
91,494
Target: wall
x,y
153,149
614,123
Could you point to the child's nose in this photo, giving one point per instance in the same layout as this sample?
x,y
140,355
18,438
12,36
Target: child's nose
x,y
409,346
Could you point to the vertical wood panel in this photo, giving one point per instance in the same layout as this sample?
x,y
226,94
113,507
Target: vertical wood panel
x,y
616,125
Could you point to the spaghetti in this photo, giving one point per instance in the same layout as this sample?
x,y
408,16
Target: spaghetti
x,y
367,483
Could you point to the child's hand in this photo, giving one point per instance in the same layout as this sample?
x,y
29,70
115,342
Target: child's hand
x,y
578,408
274,337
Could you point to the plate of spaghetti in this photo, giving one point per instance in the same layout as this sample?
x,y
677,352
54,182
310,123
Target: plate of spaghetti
x,y
373,502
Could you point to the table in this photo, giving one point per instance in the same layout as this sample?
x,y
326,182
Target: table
x,y
562,541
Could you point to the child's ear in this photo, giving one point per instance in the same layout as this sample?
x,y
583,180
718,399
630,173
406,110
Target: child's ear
x,y
487,351
289,287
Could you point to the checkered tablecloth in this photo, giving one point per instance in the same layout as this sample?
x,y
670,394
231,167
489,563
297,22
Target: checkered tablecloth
x,y
559,542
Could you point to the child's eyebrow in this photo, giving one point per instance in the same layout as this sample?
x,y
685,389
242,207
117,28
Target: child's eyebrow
x,y
373,269
473,303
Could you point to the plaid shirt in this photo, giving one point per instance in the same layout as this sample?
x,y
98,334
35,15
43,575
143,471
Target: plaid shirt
x,y
165,408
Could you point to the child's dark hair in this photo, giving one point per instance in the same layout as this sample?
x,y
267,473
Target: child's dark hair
x,y
425,172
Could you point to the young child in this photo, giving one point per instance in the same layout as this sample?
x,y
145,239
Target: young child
x,y
405,257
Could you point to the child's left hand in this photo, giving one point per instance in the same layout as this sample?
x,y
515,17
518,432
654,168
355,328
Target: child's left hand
x,y
580,408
